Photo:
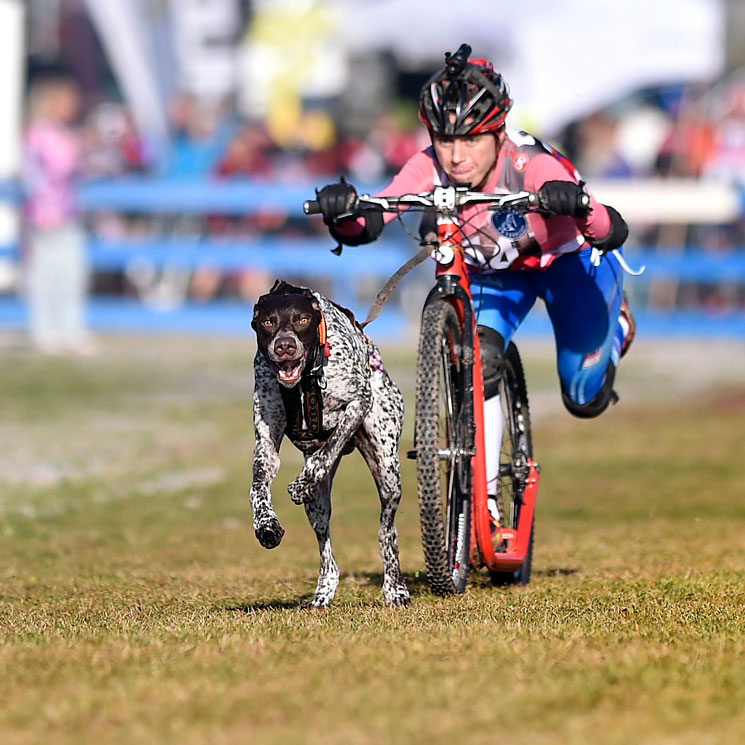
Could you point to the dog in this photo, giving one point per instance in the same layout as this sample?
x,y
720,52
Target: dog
x,y
320,381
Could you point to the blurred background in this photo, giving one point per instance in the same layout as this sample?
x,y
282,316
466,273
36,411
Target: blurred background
x,y
199,127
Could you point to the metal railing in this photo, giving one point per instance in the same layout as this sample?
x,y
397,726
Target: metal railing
x,y
309,257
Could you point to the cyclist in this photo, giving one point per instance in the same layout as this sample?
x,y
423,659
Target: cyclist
x,y
561,253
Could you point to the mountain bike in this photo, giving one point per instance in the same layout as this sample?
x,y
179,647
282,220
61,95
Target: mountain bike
x,y
449,423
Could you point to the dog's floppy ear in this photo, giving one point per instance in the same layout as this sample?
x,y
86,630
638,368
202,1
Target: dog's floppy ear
x,y
256,313
278,287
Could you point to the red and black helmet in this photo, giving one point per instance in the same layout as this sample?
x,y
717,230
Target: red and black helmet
x,y
466,97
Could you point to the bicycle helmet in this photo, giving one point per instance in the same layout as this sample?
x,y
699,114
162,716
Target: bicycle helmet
x,y
466,97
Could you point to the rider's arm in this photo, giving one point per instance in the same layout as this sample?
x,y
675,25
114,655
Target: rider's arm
x,y
416,175
603,226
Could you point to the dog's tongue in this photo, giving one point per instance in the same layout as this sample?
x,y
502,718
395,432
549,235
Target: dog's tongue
x,y
289,372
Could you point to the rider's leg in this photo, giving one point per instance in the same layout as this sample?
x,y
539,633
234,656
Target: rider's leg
x,y
501,301
492,350
584,302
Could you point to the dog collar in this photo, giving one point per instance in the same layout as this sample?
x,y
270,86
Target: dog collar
x,y
323,352
323,341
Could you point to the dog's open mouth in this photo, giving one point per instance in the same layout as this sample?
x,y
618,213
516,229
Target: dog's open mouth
x,y
290,371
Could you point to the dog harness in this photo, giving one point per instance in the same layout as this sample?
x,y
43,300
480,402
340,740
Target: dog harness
x,y
304,403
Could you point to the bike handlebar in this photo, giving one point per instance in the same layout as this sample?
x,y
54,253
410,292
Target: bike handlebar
x,y
442,198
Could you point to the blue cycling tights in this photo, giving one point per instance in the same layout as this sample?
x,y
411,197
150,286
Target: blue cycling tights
x,y
583,303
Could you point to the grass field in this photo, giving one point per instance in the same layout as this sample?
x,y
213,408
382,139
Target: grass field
x,y
137,607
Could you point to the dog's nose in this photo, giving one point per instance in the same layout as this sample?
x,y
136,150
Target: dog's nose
x,y
285,346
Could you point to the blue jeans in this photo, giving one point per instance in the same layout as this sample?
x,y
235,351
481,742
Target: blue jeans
x,y
583,302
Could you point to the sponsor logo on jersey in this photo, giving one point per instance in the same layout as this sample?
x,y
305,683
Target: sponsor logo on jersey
x,y
520,163
509,223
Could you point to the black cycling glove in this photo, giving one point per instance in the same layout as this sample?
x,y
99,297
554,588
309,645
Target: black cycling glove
x,y
337,201
564,198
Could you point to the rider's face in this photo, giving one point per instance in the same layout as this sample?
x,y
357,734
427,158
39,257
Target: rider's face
x,y
467,159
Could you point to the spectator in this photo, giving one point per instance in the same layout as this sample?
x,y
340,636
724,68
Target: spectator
x,y
387,147
56,267
727,161
599,153
112,146
249,154
689,145
202,129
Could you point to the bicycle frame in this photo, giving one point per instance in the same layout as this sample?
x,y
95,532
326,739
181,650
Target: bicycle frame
x,y
454,285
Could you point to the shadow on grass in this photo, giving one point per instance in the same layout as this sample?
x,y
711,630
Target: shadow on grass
x,y
555,572
416,582
300,603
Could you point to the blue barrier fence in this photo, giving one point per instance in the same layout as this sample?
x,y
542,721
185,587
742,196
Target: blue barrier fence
x,y
164,196
311,258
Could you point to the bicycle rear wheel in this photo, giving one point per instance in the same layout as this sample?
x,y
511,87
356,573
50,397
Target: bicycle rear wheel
x,y
515,452
443,427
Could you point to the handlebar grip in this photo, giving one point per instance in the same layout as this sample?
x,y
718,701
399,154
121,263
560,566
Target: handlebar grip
x,y
312,207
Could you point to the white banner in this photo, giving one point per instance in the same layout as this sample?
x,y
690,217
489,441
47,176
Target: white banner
x,y
561,58
126,39
205,40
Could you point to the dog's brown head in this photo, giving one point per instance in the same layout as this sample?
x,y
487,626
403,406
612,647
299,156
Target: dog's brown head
x,y
286,321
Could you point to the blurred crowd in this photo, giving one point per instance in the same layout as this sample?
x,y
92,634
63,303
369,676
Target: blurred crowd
x,y
675,132
670,131
666,132
209,141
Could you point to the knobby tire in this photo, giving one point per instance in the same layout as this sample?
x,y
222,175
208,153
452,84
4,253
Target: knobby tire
x,y
442,440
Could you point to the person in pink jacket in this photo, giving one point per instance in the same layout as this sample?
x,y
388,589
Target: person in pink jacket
x,y
566,253
55,260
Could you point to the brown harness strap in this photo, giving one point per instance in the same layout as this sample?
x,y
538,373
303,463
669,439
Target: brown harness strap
x,y
382,297
304,403
304,410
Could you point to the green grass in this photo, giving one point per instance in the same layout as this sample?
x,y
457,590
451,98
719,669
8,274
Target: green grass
x,y
137,606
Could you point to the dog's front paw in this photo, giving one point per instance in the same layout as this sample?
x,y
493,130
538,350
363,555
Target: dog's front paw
x,y
397,596
301,491
269,533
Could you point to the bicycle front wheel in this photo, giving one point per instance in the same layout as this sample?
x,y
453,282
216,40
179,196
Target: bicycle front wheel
x,y
443,425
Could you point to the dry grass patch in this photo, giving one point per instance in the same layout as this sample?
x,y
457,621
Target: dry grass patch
x,y
136,605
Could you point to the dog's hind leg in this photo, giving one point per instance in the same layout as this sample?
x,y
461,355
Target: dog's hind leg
x,y
319,516
381,456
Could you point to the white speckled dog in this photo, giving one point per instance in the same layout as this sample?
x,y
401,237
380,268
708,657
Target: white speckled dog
x,y
320,381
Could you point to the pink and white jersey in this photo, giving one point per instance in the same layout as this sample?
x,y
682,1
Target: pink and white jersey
x,y
51,162
508,239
